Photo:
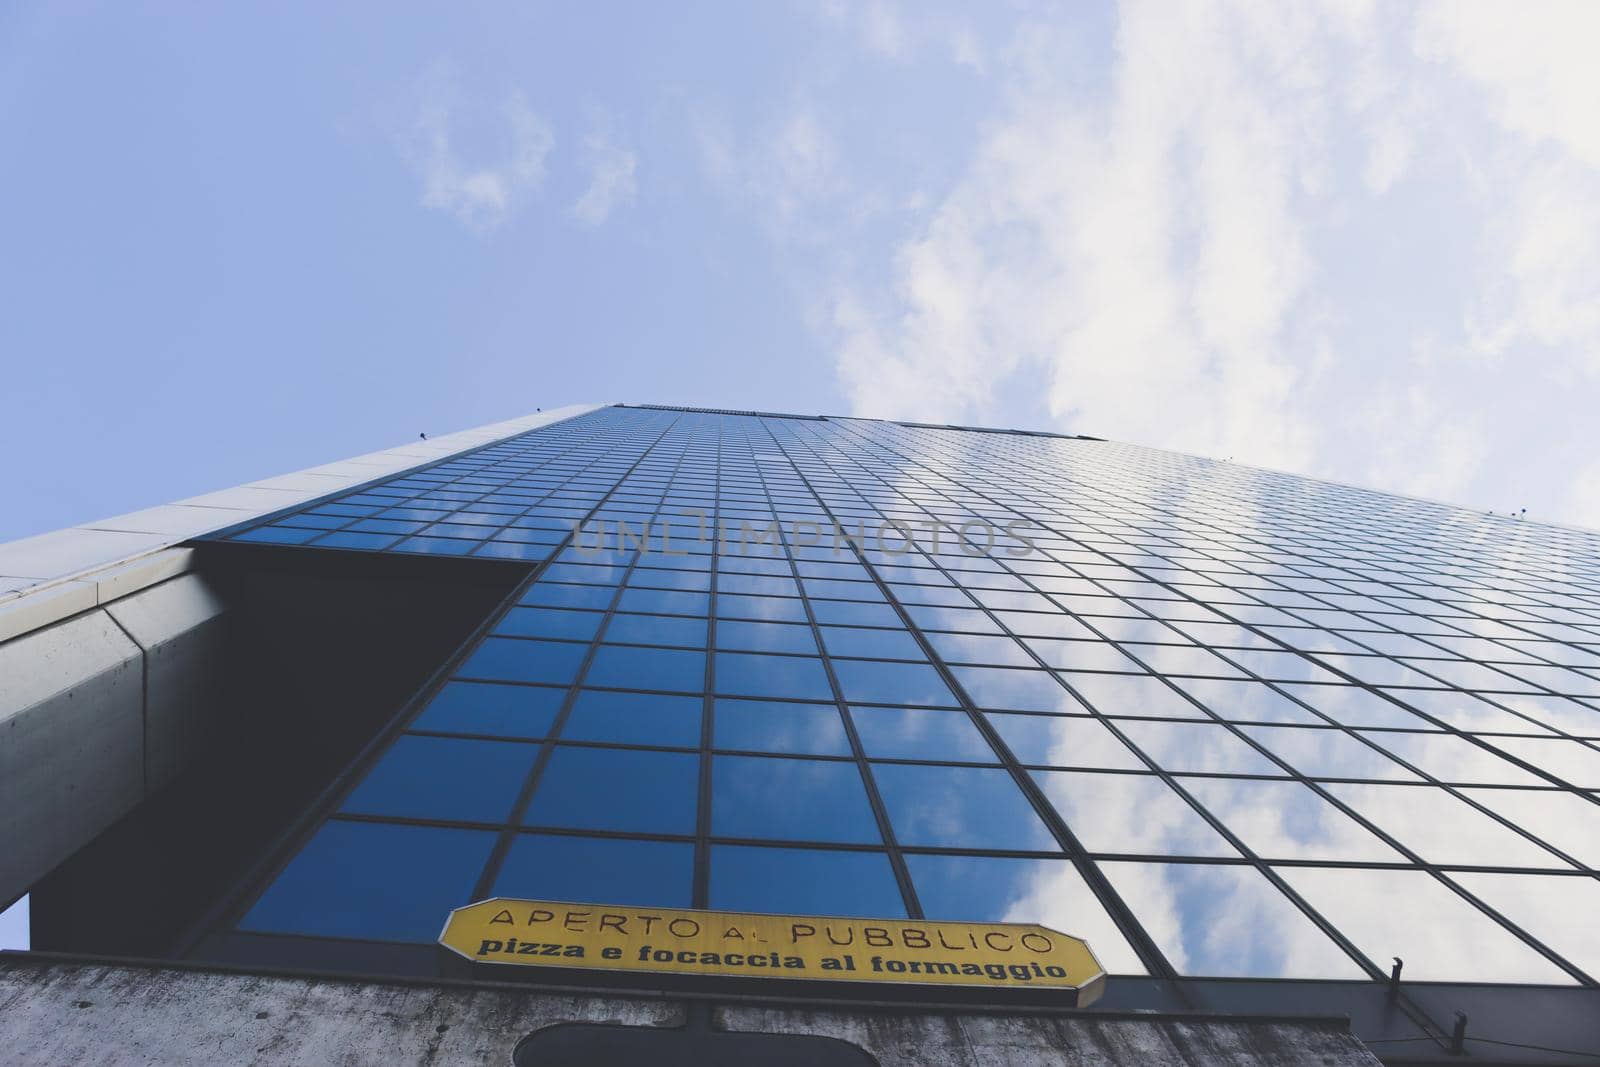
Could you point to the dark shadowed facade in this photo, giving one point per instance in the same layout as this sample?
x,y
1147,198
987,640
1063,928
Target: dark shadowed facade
x,y
1254,737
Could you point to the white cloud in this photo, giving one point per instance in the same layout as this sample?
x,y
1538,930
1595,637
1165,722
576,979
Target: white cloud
x,y
509,162
1582,506
1346,239
611,179
788,174
1141,251
889,29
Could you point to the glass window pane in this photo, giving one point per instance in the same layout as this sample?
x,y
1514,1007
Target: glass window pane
x,y
913,733
634,719
648,668
1020,690
766,608
552,595
960,807
617,789
1085,656
804,882
1558,911
515,660
445,778
1246,701
599,870
771,726
1196,747
793,677
484,708
373,880
676,630
766,637
1050,892
549,622
791,800
1451,759
863,641
1441,828
1130,814
1350,706
876,682
1410,914
1288,821
1133,695
1565,820
1063,741
1183,906
1572,762
1328,753
986,650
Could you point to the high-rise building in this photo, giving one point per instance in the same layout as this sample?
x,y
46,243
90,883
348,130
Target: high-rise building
x,y
1280,751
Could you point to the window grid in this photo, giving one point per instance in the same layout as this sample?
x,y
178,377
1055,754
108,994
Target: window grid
x,y
1157,559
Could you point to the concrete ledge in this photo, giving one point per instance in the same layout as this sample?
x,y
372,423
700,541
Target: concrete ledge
x,y
49,559
71,742
61,1010
99,710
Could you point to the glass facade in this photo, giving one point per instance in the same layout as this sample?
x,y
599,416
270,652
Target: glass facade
x,y
1219,721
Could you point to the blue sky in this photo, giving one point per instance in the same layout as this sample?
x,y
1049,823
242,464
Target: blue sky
x,y
1353,240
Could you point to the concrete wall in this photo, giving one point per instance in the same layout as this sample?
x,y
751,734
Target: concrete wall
x,y
55,1011
99,711
111,652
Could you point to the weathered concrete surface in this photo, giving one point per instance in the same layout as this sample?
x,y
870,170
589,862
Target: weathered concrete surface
x,y
65,1013
55,1011
71,742
988,1040
99,711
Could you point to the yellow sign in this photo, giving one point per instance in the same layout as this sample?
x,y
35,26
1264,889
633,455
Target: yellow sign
x,y
540,933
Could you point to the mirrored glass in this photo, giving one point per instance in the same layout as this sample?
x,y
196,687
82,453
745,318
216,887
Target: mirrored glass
x,y
1410,914
1193,747
1571,761
602,870
617,789
1245,701
984,649
790,799
871,643
1022,690
773,726
444,778
766,637
1049,892
1565,820
1558,911
1063,741
1328,753
959,807
790,677
804,882
1130,814
549,622
517,660
878,682
1450,758
634,719
486,708
915,733
1441,828
376,881
1288,821
1132,695
1186,906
